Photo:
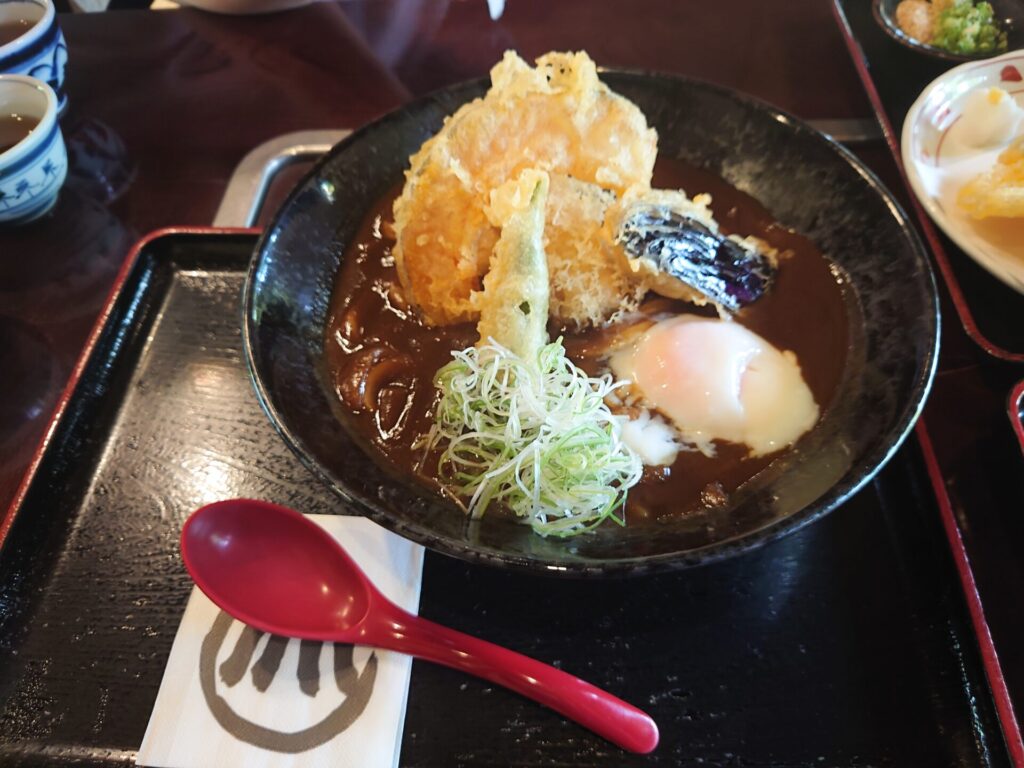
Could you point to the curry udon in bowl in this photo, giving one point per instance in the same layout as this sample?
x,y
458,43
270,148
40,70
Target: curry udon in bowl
x,y
590,324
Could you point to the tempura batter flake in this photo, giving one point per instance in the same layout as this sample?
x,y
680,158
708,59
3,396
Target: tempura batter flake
x,y
556,117
1000,191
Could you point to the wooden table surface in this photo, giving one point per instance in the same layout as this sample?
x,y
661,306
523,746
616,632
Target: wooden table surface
x,y
164,104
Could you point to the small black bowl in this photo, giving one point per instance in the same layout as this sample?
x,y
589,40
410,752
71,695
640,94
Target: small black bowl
x,y
807,181
1009,13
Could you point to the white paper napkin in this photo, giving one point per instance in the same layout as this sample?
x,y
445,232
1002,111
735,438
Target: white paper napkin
x,y
232,696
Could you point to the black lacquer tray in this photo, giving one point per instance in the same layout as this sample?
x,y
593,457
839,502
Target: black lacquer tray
x,y
846,644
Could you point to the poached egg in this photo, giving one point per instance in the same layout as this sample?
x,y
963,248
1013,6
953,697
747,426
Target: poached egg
x,y
716,380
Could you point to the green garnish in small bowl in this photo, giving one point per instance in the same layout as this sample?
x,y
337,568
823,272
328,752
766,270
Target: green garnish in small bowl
x,y
969,29
953,30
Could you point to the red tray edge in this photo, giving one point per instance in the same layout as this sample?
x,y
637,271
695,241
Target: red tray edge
x,y
1014,406
989,654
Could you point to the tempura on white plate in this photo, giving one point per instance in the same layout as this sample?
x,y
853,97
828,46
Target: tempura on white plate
x,y
1000,191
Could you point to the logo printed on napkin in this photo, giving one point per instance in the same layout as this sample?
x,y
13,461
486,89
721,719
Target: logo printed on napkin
x,y
355,688
232,695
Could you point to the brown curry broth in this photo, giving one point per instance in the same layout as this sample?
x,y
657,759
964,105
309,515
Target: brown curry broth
x,y
804,312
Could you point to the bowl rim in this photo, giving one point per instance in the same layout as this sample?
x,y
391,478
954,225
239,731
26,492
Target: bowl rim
x,y
993,266
894,32
855,477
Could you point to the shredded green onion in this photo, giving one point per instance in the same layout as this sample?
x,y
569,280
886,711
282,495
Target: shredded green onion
x,y
534,436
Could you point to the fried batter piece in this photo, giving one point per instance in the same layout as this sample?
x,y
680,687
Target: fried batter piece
x,y
557,118
591,278
1000,192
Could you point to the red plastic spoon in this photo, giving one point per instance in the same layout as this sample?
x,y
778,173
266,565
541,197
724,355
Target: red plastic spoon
x,y
271,568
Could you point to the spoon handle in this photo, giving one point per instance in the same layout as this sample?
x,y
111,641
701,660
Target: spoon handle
x,y
604,714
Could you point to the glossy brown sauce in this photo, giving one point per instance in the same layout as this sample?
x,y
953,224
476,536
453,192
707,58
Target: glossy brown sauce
x,y
371,329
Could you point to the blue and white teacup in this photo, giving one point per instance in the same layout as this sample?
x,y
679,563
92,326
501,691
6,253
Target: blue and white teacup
x,y
33,170
39,51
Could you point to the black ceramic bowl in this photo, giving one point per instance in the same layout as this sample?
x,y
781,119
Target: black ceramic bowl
x,y
1009,13
808,182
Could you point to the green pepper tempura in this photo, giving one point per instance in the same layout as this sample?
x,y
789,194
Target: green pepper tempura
x,y
968,28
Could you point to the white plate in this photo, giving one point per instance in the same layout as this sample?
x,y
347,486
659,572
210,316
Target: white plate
x,y
936,172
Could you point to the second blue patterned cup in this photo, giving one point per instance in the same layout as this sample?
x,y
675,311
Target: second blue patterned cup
x,y
33,160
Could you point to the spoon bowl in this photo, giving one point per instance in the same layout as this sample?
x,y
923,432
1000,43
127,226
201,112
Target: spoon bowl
x,y
280,573
273,569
